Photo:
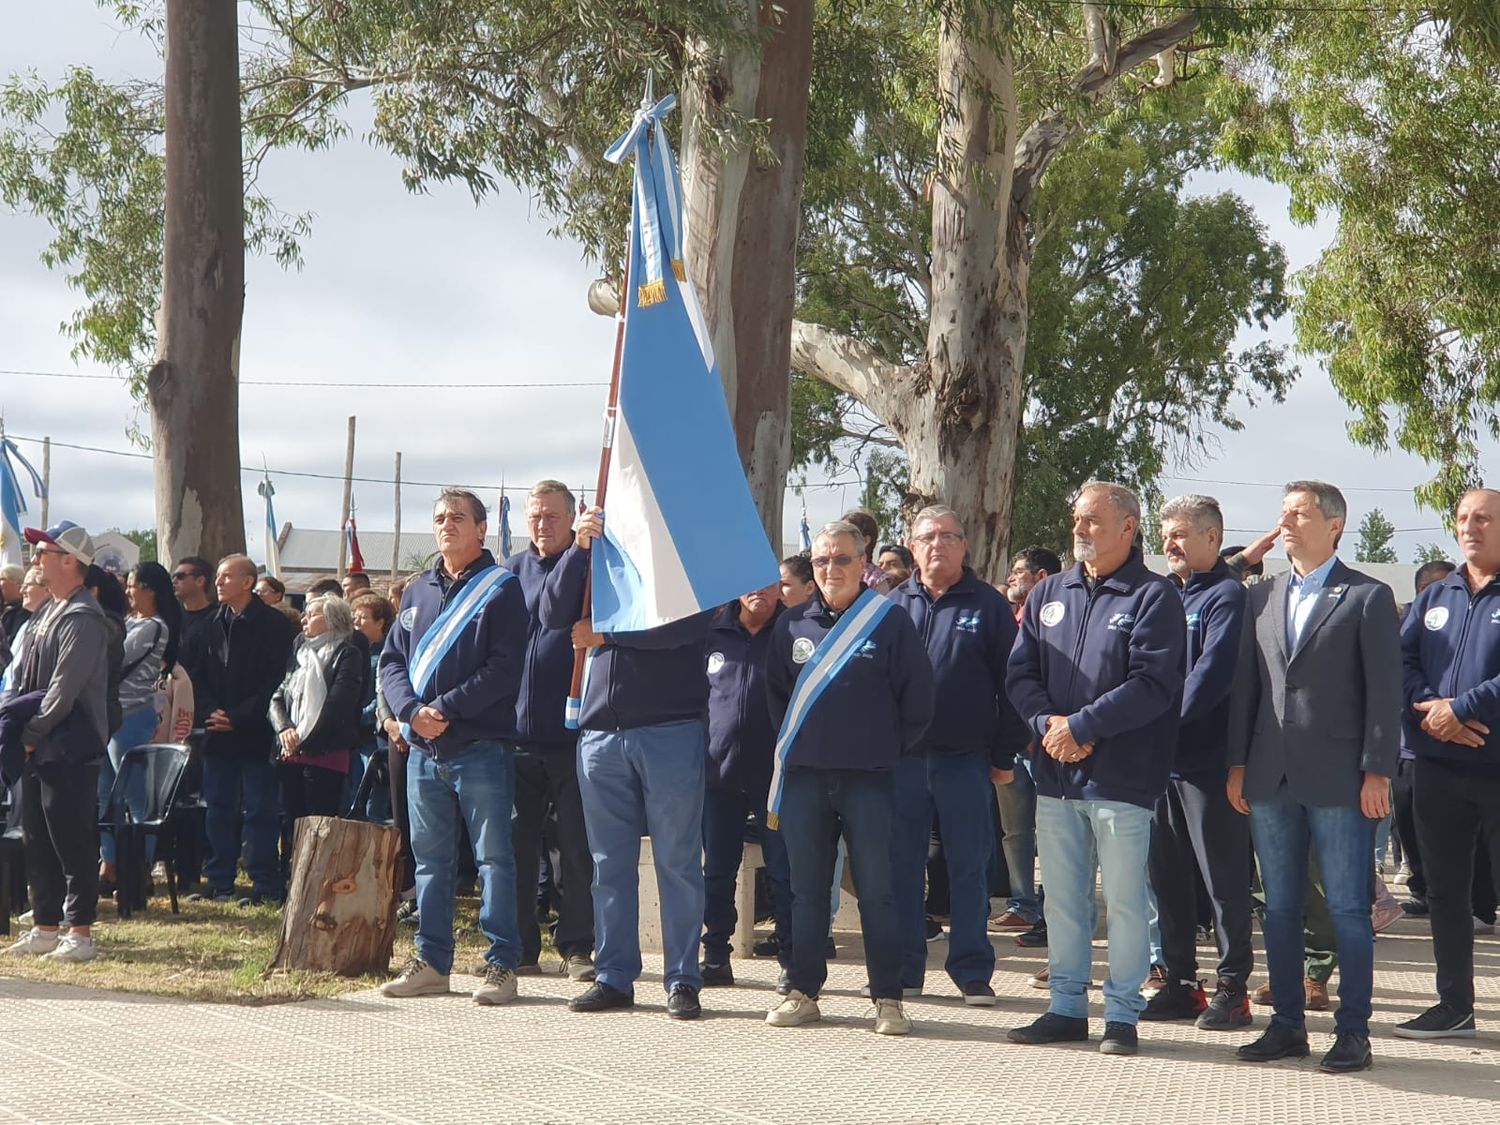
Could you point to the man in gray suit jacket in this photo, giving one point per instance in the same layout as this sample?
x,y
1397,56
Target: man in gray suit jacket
x,y
1314,737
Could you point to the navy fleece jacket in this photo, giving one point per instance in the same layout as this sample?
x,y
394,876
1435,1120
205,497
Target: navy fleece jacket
x,y
1450,649
741,739
548,671
1214,601
1110,660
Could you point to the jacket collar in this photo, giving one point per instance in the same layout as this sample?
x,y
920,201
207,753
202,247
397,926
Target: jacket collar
x,y
1123,580
967,582
1204,579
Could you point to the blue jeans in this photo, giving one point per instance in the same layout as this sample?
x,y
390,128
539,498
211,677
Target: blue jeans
x,y
817,807
957,787
1018,823
1343,840
645,781
1075,839
475,785
135,730
240,792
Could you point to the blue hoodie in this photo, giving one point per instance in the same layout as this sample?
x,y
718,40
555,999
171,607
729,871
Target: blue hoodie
x,y
1214,601
1111,661
548,672
1450,649
475,685
636,679
741,739
968,634
872,712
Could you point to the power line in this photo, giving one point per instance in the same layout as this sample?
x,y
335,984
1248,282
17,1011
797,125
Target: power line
x,y
362,385
1281,484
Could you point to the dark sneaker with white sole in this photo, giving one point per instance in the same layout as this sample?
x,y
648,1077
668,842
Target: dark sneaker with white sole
x,y
1051,1028
978,994
1119,1039
1442,1021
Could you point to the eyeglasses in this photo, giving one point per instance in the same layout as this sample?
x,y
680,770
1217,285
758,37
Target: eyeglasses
x,y
946,538
823,562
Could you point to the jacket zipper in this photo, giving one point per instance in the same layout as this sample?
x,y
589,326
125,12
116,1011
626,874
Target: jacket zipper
x,y
1088,609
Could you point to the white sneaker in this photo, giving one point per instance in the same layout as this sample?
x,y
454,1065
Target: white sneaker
x,y
498,986
890,1019
26,919
795,1009
34,943
417,978
72,947
1403,875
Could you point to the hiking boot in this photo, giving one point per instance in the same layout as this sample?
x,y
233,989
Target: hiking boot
x,y
682,1003
1051,1028
1119,1039
794,1011
416,978
497,986
1441,1021
72,947
716,976
890,1019
578,966
34,943
1229,1009
1316,995
1179,1000
600,997
978,994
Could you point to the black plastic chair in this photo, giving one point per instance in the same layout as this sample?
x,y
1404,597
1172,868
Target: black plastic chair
x,y
143,805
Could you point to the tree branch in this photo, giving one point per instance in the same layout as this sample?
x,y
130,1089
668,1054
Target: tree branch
x,y
855,368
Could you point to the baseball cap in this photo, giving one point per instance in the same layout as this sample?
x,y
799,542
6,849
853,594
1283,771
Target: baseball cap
x,y
67,535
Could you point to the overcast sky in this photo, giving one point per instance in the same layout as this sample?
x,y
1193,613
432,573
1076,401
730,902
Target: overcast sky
x,y
416,290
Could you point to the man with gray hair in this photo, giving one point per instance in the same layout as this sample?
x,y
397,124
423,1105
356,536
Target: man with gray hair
x,y
1097,673
12,612
968,630
1195,828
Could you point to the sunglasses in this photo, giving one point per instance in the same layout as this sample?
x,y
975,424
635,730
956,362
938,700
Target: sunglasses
x,y
823,562
184,575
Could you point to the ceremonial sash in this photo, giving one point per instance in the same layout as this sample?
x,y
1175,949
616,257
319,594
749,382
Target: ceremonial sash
x,y
444,632
840,643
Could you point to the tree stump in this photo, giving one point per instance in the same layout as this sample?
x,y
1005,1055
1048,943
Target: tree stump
x,y
341,906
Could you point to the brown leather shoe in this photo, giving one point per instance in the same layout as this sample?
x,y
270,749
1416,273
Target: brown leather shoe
x,y
1262,996
1010,920
1317,995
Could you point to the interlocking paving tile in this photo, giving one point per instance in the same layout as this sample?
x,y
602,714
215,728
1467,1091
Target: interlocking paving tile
x,y
75,1055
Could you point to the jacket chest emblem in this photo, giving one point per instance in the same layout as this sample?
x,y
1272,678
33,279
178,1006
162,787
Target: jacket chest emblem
x,y
865,651
715,663
1118,621
1436,618
802,650
1193,619
967,622
1053,613
409,618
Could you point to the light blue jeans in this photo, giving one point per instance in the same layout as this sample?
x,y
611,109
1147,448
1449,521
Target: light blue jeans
x,y
1076,839
1018,822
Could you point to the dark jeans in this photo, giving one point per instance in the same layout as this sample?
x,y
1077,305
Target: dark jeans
x,y
60,831
725,814
1456,809
1405,821
306,791
547,777
401,814
817,807
956,787
1285,832
240,792
1195,829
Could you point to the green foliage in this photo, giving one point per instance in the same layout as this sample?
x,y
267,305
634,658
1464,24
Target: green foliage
x,y
884,492
1375,534
1430,552
145,539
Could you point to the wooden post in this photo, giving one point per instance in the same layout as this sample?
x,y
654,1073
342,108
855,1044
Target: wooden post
x,y
348,495
340,912
46,479
396,540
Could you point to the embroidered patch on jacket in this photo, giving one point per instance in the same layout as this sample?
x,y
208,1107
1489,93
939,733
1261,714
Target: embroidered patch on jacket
x,y
802,650
1436,617
1121,620
967,622
715,662
1052,613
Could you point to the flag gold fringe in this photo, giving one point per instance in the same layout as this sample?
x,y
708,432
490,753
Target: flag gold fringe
x,y
773,821
652,293
679,271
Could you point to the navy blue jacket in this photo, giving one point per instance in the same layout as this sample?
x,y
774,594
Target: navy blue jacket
x,y
968,633
1450,649
1111,662
876,709
548,672
741,739
1214,601
636,679
475,685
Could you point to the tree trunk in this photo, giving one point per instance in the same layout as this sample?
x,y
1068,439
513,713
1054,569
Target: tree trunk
x,y
742,220
341,906
193,387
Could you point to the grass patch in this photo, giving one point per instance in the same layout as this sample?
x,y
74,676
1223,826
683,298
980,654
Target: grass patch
x,y
218,952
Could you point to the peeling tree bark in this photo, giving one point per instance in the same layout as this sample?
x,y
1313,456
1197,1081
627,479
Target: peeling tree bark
x,y
193,387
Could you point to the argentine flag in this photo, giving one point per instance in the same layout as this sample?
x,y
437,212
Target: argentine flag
x,y
13,501
681,533
273,546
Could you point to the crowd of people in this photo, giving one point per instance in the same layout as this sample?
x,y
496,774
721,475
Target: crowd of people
x,y
1208,746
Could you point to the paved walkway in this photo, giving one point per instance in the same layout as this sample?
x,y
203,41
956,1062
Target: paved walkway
x,y
74,1055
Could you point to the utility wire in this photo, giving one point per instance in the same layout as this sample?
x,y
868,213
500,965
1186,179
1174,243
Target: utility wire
x,y
363,385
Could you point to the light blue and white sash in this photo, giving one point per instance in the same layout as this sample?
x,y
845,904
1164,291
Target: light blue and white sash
x,y
444,632
840,643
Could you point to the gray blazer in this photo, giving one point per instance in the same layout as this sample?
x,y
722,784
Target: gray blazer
x,y
1323,716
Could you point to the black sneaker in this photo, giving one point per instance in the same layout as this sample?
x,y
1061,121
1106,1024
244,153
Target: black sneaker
x,y
1229,1009
934,929
766,947
1034,938
1442,1021
407,912
1119,1039
599,997
682,1003
716,976
978,994
212,896
1178,1000
1416,908
1051,1028
258,899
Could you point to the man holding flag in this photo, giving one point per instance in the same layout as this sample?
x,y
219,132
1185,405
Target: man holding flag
x,y
851,686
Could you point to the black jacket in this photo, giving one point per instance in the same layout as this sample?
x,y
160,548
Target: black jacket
x,y
236,664
339,725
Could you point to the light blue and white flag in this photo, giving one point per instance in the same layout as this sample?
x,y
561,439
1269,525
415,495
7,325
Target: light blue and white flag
x,y
681,533
13,501
273,545
504,526
805,532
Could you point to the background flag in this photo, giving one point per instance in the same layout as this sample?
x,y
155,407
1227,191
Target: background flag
x,y
504,527
273,549
13,500
356,560
804,532
681,533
